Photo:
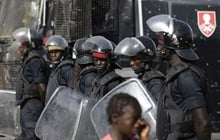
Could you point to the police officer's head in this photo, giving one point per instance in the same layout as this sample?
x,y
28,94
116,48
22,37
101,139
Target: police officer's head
x,y
83,55
30,39
141,50
177,36
56,46
102,50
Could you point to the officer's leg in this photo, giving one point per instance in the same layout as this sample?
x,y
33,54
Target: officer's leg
x,y
30,113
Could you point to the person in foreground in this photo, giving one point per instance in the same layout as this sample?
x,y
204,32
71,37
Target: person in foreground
x,y
124,115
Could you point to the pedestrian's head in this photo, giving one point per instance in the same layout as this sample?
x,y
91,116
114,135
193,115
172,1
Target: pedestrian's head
x,y
123,113
141,50
56,46
177,36
101,50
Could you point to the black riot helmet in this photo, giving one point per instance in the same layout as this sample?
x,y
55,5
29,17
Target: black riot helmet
x,y
100,47
83,55
177,35
29,38
133,46
56,42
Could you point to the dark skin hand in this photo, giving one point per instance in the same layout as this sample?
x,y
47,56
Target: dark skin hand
x,y
42,91
143,129
201,124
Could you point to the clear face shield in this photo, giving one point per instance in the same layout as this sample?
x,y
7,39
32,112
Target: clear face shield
x,y
161,25
22,34
14,52
58,41
98,44
129,47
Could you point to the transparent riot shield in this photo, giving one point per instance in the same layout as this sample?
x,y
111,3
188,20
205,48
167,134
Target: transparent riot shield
x,y
134,88
66,117
9,114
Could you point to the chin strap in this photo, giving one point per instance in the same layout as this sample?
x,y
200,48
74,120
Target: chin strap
x,y
53,64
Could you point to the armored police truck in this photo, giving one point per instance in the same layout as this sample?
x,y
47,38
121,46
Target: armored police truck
x,y
114,19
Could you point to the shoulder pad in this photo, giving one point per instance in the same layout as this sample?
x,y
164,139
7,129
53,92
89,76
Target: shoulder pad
x,y
31,57
65,62
153,74
175,70
198,70
109,77
88,69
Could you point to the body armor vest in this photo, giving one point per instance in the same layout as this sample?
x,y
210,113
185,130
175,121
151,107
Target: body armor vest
x,y
151,75
53,81
100,85
152,78
170,117
83,72
26,89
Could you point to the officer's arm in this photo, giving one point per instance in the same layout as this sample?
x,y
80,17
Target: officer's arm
x,y
42,90
201,124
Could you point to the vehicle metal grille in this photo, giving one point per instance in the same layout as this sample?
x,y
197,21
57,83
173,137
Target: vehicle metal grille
x,y
72,19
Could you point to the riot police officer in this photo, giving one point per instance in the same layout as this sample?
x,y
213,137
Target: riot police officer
x,y
62,70
102,53
182,111
85,71
31,82
142,51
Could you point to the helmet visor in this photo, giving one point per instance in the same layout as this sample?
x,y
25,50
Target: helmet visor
x,y
98,44
22,34
14,52
57,42
161,23
129,47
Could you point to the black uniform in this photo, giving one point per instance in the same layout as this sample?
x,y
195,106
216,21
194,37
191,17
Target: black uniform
x,y
185,88
84,83
61,76
33,71
105,82
154,82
